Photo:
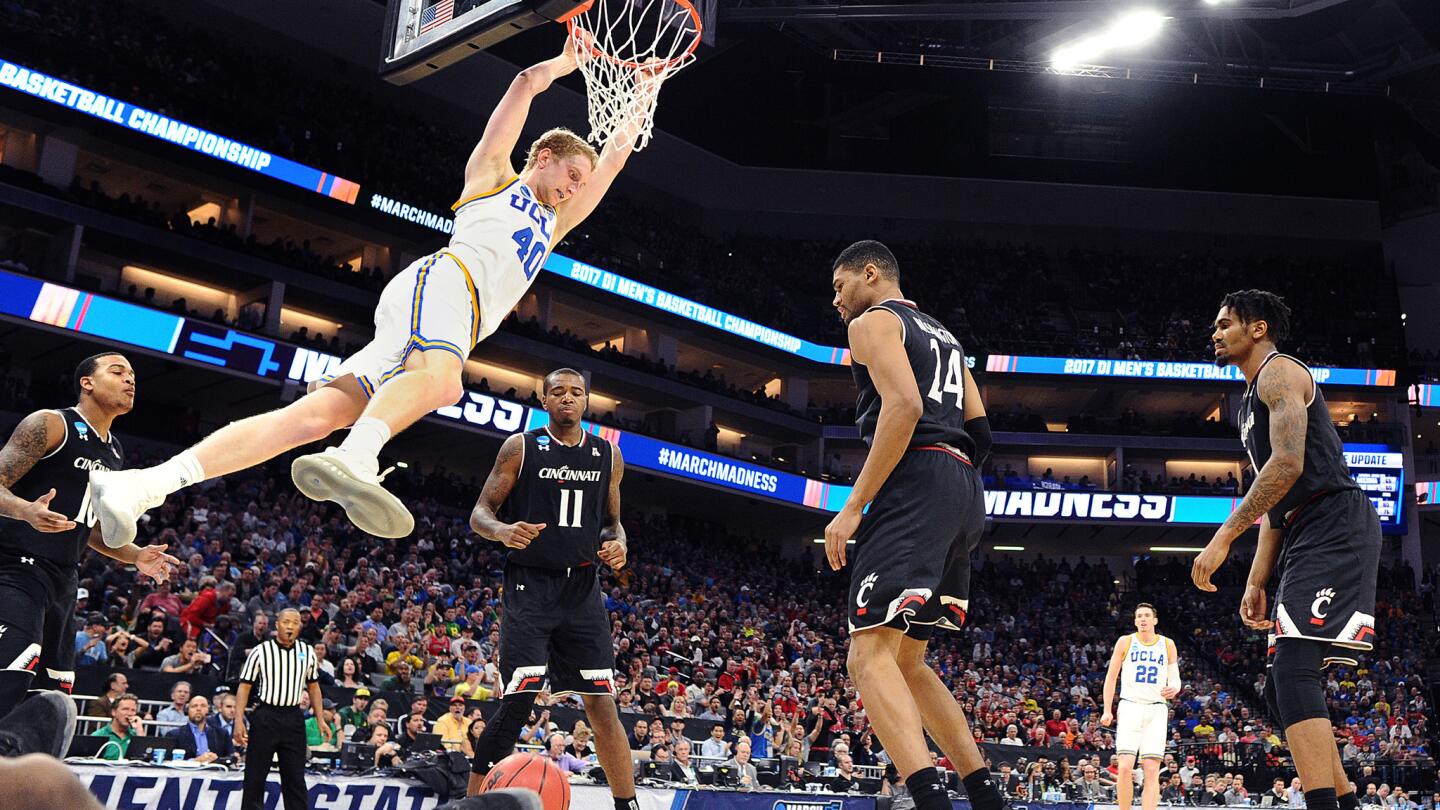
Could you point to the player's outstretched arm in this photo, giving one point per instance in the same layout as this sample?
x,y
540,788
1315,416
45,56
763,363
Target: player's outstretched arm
x,y
489,164
614,545
151,560
1286,388
483,518
36,436
877,341
612,159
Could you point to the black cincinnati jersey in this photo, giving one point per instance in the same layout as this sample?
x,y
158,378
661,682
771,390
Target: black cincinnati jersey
x,y
1325,470
938,361
66,469
565,488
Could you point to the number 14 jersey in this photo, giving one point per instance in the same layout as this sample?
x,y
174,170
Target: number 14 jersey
x,y
565,488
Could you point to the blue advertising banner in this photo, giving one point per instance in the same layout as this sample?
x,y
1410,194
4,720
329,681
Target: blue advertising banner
x,y
1377,468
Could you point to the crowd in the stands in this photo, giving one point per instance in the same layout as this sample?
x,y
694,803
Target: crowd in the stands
x,y
701,633
998,297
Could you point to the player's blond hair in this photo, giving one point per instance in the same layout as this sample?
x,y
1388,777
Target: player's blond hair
x,y
562,143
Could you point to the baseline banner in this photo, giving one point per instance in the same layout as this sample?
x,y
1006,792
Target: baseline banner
x,y
765,800
141,787
154,788
1165,370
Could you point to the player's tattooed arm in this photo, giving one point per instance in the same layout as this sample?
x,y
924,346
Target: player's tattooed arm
x,y
483,518
1285,388
614,544
35,436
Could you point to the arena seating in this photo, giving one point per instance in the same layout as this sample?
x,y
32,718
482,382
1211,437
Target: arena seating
x,y
696,621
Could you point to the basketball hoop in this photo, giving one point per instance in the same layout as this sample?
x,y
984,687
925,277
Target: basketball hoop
x,y
625,50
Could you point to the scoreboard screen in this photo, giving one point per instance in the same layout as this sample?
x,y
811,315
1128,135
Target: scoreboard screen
x,y
1380,471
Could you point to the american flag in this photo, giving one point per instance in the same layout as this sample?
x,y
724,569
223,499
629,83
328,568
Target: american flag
x,y
436,15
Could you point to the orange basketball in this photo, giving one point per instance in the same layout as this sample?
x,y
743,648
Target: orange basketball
x,y
532,772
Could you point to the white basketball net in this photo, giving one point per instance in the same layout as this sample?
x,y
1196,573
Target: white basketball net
x,y
626,49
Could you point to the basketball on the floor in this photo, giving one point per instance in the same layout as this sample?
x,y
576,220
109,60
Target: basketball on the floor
x,y
532,772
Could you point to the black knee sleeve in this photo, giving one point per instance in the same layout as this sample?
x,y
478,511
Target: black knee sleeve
x,y
498,739
1295,690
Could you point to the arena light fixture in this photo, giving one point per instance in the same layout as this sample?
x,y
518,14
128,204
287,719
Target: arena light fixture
x,y
1179,549
1008,548
1129,30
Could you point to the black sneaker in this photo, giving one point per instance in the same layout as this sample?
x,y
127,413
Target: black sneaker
x,y
43,724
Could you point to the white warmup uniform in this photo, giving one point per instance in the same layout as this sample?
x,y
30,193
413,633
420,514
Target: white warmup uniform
x,y
1142,715
456,297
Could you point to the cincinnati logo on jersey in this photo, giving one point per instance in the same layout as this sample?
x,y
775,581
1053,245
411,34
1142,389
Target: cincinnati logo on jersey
x,y
1246,426
1320,608
90,464
566,475
862,596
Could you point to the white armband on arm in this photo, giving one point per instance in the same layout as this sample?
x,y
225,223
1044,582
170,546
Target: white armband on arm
x,y
1172,677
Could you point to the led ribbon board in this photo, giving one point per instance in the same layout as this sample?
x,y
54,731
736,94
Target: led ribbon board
x,y
694,311
1378,468
1165,370
138,119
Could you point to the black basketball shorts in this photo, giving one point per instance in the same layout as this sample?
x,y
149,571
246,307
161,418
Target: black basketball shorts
x,y
1328,567
37,620
555,632
911,566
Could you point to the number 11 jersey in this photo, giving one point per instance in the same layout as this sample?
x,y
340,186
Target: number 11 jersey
x,y
564,487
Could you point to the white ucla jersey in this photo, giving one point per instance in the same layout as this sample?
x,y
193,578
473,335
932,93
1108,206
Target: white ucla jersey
x,y
502,237
1145,671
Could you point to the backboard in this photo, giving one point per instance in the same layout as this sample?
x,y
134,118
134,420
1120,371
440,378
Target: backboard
x,y
425,36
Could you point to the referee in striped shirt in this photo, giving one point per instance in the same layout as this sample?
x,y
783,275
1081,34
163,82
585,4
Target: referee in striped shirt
x,y
278,671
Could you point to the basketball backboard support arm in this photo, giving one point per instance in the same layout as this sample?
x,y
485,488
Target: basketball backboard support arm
x,y
408,55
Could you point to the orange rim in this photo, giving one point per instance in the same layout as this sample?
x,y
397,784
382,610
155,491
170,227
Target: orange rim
x,y
576,30
580,9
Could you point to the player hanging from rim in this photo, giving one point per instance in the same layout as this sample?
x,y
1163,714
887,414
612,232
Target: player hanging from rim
x,y
46,521
1149,673
558,489
430,316
1314,519
919,409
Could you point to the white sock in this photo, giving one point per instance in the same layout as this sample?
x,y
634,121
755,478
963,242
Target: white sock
x,y
366,437
179,472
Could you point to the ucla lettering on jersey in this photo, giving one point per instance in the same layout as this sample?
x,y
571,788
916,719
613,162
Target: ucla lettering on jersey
x,y
502,238
1145,671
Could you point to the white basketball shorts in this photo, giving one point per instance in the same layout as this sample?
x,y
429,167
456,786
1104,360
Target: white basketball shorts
x,y
430,305
1140,729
